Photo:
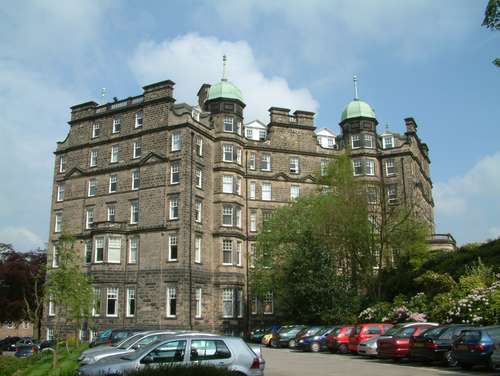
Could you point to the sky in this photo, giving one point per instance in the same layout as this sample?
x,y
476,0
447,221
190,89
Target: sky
x,y
422,58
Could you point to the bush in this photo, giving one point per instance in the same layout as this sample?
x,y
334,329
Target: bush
x,y
10,364
178,370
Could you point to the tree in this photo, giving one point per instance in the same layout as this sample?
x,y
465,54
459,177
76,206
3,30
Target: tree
x,y
22,275
492,19
69,289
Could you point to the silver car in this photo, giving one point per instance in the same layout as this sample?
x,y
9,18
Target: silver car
x,y
98,349
129,345
368,347
231,353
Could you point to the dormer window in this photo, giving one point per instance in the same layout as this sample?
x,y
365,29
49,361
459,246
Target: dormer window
x,y
262,135
228,124
356,141
388,142
330,142
249,133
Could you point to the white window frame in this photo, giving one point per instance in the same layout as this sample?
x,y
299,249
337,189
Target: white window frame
x,y
237,255
294,191
55,256
113,179
197,249
117,125
89,217
392,193
50,334
111,214
134,209
262,135
171,296
93,158
227,183
114,252
268,297
88,251
253,255
96,302
112,293
133,250
60,192
96,130
265,162
173,241
198,303
130,297
52,307
330,142
198,211
199,178
228,212
369,167
252,161
356,139
227,149
372,193
249,133
228,121
293,165
253,220
323,167
138,119
227,296
136,149
199,146
388,142
136,179
227,248
238,185
253,190
62,164
368,141
357,163
115,154
239,294
173,206
176,143
175,171
390,164
267,191
92,188
98,241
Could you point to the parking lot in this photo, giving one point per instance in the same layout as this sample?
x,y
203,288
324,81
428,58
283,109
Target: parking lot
x,y
284,362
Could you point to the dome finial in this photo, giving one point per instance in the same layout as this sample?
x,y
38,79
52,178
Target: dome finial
x,y
224,68
355,79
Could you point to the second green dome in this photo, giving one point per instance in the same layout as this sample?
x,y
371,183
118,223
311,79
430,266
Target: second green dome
x,y
357,108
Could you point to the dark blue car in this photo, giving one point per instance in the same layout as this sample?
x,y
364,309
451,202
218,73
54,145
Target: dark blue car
x,y
315,342
475,346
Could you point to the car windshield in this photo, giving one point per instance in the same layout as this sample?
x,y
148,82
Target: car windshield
x,y
436,332
313,331
393,330
104,333
130,341
140,352
335,331
406,332
323,331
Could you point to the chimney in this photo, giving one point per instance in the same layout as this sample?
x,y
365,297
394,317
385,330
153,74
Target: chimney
x,y
203,95
411,126
279,115
304,118
82,110
162,89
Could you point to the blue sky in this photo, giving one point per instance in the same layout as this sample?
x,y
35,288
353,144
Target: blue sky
x,y
426,59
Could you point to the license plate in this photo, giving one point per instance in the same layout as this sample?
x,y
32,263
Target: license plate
x,y
418,344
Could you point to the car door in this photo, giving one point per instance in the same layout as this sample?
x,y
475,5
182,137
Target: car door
x,y
171,352
214,352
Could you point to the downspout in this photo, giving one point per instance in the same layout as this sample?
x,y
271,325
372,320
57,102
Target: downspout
x,y
191,156
247,292
404,179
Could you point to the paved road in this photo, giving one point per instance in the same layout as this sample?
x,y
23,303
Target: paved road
x,y
284,362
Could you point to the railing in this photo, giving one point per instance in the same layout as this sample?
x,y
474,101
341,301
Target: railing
x,y
119,104
443,238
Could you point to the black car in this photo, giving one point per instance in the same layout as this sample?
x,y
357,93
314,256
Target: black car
x,y
286,335
47,344
112,336
9,343
435,344
257,334
474,346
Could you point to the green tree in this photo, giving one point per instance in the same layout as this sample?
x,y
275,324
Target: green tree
x,y
70,290
492,19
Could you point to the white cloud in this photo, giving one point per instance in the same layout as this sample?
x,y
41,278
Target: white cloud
x,y
21,238
192,59
468,205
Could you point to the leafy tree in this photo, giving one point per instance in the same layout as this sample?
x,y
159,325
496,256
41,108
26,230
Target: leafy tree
x,y
492,19
22,276
69,289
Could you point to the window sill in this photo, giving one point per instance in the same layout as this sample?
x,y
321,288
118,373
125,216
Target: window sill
x,y
113,162
174,219
173,260
171,317
129,316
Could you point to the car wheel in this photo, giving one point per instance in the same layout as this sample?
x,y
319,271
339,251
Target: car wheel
x,y
464,365
343,349
275,344
315,347
291,343
450,359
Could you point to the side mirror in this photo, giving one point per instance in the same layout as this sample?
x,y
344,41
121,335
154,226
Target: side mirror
x,y
147,359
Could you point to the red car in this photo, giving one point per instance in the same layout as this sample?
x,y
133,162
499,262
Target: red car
x,y
363,332
396,345
338,340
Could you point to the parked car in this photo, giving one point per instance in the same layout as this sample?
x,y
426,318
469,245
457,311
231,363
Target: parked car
x,y
286,335
307,331
47,344
435,344
9,343
257,334
315,342
338,340
397,345
474,346
369,346
363,332
24,349
111,336
219,351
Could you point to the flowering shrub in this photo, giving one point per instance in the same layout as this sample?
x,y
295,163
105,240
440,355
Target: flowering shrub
x,y
375,313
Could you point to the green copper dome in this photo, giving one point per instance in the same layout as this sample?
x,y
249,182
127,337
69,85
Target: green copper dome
x,y
225,89
357,108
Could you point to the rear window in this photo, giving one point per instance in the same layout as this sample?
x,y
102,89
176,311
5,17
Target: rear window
x,y
494,333
471,336
438,332
120,335
336,331
373,329
393,330
104,333
406,332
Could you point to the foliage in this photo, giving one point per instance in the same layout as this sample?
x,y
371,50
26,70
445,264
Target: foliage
x,y
68,287
492,19
376,313
434,283
22,275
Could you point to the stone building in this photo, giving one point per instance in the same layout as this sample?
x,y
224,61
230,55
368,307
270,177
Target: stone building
x,y
166,199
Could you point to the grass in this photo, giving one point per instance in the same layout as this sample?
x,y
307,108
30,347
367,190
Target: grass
x,y
41,364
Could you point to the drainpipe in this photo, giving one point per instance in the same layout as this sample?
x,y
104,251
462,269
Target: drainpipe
x,y
191,156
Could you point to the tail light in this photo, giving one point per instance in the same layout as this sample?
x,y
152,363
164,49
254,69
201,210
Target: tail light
x,y
431,345
34,349
478,347
255,363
